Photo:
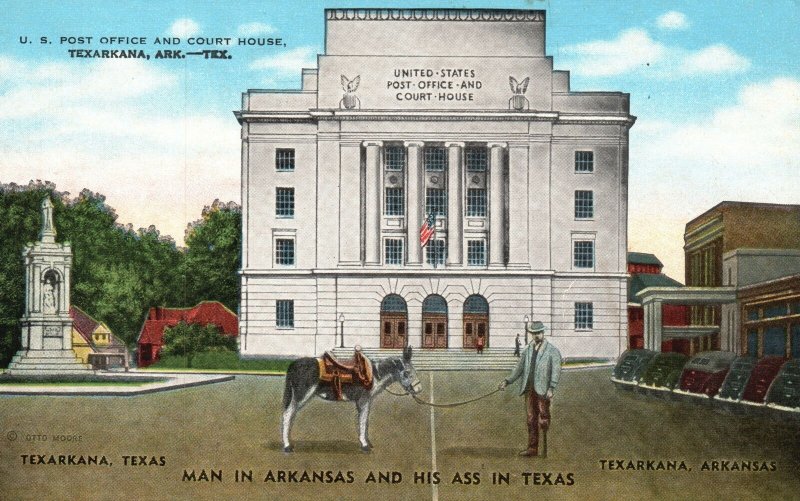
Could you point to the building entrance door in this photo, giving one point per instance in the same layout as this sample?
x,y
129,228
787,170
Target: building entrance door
x,y
476,321
393,331
434,322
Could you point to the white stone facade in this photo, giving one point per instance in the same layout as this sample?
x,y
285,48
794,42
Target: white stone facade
x,y
402,103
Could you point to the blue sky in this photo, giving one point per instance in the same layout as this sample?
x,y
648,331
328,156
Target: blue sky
x,y
715,87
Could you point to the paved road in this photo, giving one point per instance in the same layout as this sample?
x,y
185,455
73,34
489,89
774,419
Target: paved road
x,y
235,426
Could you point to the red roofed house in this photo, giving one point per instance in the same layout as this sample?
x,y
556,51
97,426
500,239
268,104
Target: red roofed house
x,y
151,336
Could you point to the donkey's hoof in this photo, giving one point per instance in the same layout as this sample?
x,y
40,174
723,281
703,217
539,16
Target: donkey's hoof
x,y
288,448
365,448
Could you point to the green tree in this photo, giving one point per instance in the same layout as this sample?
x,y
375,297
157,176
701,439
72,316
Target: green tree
x,y
213,255
187,340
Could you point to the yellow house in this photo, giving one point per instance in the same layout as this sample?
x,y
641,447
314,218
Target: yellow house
x,y
94,343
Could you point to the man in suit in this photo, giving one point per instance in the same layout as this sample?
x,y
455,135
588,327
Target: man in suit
x,y
538,370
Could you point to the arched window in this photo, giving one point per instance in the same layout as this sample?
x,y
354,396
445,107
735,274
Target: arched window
x,y
394,322
434,322
476,320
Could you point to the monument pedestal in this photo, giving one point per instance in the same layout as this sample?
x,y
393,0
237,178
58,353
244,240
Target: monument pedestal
x,y
46,325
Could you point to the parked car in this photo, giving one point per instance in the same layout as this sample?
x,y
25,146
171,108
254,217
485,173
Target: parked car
x,y
630,367
763,374
703,375
784,394
736,381
663,372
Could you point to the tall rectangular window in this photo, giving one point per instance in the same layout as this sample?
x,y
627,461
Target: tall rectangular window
x,y
393,251
584,204
584,316
284,313
393,202
476,253
284,159
583,254
476,159
435,158
284,251
476,202
436,201
395,157
435,252
584,161
284,202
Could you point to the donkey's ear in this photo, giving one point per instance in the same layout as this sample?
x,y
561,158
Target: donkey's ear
x,y
407,354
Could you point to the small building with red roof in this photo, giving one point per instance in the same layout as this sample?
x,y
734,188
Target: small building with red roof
x,y
159,318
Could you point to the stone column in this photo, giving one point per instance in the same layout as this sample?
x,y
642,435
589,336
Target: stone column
x,y
414,201
496,215
653,328
373,203
455,204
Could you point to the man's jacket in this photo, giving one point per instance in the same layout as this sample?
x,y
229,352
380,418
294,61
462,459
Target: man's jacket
x,y
546,372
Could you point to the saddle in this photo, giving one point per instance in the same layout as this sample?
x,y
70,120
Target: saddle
x,y
337,373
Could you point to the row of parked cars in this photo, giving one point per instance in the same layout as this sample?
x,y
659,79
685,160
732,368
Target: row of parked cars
x,y
720,376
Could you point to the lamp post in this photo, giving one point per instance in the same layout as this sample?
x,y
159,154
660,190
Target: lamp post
x,y
525,328
341,324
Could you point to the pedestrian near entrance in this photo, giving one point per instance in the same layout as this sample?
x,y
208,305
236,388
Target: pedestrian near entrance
x,y
480,343
517,345
538,370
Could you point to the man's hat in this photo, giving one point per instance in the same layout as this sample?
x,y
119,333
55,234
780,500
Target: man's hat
x,y
534,327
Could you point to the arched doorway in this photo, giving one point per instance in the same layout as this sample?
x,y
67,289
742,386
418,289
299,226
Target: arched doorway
x,y
434,322
476,320
394,320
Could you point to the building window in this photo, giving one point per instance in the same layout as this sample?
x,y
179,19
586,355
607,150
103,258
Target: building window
x,y
393,251
584,204
395,157
436,201
583,254
476,159
476,253
435,158
584,161
584,316
393,202
284,202
284,159
435,252
476,202
284,251
284,314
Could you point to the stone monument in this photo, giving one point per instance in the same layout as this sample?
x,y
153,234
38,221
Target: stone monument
x,y
46,324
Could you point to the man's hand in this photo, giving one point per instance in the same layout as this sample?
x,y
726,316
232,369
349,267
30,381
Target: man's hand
x,y
549,394
502,385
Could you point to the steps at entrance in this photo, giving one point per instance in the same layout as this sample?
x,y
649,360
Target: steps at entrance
x,y
445,359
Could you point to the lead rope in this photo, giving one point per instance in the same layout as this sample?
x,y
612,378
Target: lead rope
x,y
453,404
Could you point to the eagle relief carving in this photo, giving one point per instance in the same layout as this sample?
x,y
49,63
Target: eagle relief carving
x,y
349,99
518,101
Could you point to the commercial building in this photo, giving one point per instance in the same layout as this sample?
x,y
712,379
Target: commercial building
x,y
452,116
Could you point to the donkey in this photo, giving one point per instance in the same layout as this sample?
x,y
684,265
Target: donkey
x,y
303,382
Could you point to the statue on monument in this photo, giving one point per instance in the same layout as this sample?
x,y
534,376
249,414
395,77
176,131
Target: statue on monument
x,y
49,295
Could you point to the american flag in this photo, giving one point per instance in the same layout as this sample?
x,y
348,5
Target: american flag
x,y
428,229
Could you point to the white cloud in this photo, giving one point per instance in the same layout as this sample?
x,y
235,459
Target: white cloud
x,y
184,28
103,126
749,151
635,51
286,65
631,49
714,59
672,20
254,29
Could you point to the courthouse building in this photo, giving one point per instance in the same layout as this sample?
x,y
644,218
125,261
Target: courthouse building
x,y
454,116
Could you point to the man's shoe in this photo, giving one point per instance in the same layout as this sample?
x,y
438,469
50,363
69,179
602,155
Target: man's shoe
x,y
528,453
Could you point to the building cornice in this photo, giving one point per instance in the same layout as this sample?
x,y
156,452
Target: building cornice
x,y
316,115
504,15
440,272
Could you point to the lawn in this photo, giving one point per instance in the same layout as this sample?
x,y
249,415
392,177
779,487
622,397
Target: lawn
x,y
235,426
222,361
